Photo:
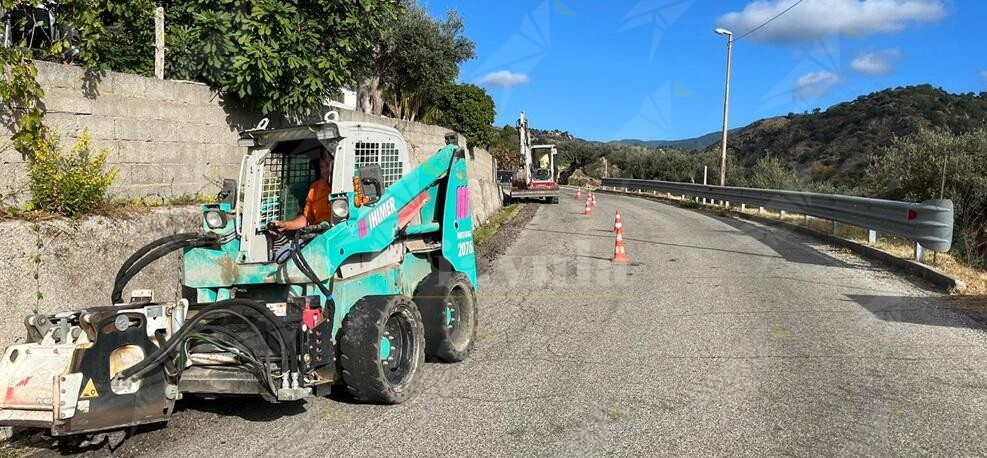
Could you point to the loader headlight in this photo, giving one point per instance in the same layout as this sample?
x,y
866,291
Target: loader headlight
x,y
340,208
215,219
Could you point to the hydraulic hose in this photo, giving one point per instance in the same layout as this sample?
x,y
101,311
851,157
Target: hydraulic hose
x,y
306,269
221,307
152,252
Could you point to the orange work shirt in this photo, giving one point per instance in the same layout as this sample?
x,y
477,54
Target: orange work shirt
x,y
317,202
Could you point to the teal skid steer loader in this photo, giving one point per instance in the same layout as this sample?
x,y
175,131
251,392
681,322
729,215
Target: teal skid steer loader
x,y
358,301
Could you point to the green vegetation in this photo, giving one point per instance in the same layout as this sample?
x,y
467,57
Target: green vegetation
x,y
20,93
72,183
504,147
276,57
770,173
934,163
285,57
467,109
414,59
483,233
837,145
696,143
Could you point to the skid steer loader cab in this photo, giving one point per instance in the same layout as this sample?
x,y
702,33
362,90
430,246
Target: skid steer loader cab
x,y
282,164
357,300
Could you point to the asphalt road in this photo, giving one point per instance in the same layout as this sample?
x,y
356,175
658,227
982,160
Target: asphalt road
x,y
722,337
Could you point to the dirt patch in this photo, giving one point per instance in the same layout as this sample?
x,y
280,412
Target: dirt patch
x,y
498,244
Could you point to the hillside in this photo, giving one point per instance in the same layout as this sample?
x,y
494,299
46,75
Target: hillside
x,y
696,143
836,144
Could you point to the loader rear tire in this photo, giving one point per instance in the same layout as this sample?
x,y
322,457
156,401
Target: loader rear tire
x,y
448,306
382,349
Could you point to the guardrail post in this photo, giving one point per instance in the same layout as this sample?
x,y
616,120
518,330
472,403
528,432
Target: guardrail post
x,y
727,204
760,211
871,236
781,214
807,220
919,252
743,207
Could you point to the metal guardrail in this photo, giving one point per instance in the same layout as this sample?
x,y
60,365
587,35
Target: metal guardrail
x,y
929,224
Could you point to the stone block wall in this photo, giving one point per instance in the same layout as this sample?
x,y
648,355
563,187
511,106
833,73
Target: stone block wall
x,y
167,138
173,138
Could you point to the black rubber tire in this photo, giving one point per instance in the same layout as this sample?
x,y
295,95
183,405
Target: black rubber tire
x,y
437,295
366,371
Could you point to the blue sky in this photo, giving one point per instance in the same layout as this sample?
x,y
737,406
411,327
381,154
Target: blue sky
x,y
654,69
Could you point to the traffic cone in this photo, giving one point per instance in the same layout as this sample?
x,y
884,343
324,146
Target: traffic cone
x,y
619,255
594,199
589,209
618,227
579,194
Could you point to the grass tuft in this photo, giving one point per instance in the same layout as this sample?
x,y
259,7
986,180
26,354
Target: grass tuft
x,y
483,233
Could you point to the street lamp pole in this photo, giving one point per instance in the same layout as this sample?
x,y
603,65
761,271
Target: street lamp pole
x,y
726,106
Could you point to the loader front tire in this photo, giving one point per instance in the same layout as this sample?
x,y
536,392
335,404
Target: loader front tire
x,y
448,306
382,349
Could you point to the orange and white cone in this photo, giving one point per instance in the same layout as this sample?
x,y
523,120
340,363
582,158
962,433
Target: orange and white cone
x,y
589,208
618,227
619,255
593,197
579,194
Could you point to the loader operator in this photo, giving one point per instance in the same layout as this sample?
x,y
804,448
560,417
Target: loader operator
x,y
316,209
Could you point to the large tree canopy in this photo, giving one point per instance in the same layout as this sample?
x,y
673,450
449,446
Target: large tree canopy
x,y
418,57
467,109
276,56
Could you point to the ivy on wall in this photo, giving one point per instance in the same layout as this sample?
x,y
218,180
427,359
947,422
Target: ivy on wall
x,y
33,35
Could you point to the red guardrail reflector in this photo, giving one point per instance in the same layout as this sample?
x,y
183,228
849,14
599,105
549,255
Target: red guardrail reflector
x,y
912,214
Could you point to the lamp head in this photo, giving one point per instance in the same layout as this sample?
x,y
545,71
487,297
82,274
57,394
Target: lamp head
x,y
721,31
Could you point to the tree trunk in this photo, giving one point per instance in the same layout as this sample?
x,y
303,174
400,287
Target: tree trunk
x,y
364,98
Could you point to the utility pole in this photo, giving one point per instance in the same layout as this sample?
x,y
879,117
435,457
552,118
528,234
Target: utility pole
x,y
726,107
606,170
159,43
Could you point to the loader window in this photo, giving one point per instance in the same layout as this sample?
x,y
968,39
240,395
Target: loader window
x,y
289,171
384,154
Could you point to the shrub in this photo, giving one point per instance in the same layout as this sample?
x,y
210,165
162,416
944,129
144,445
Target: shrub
x,y
770,173
72,183
912,169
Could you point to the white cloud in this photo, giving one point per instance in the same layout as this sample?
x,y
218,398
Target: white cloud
x,y
814,18
504,78
875,63
813,85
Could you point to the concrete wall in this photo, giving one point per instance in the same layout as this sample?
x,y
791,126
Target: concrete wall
x,y
172,138
485,194
78,260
